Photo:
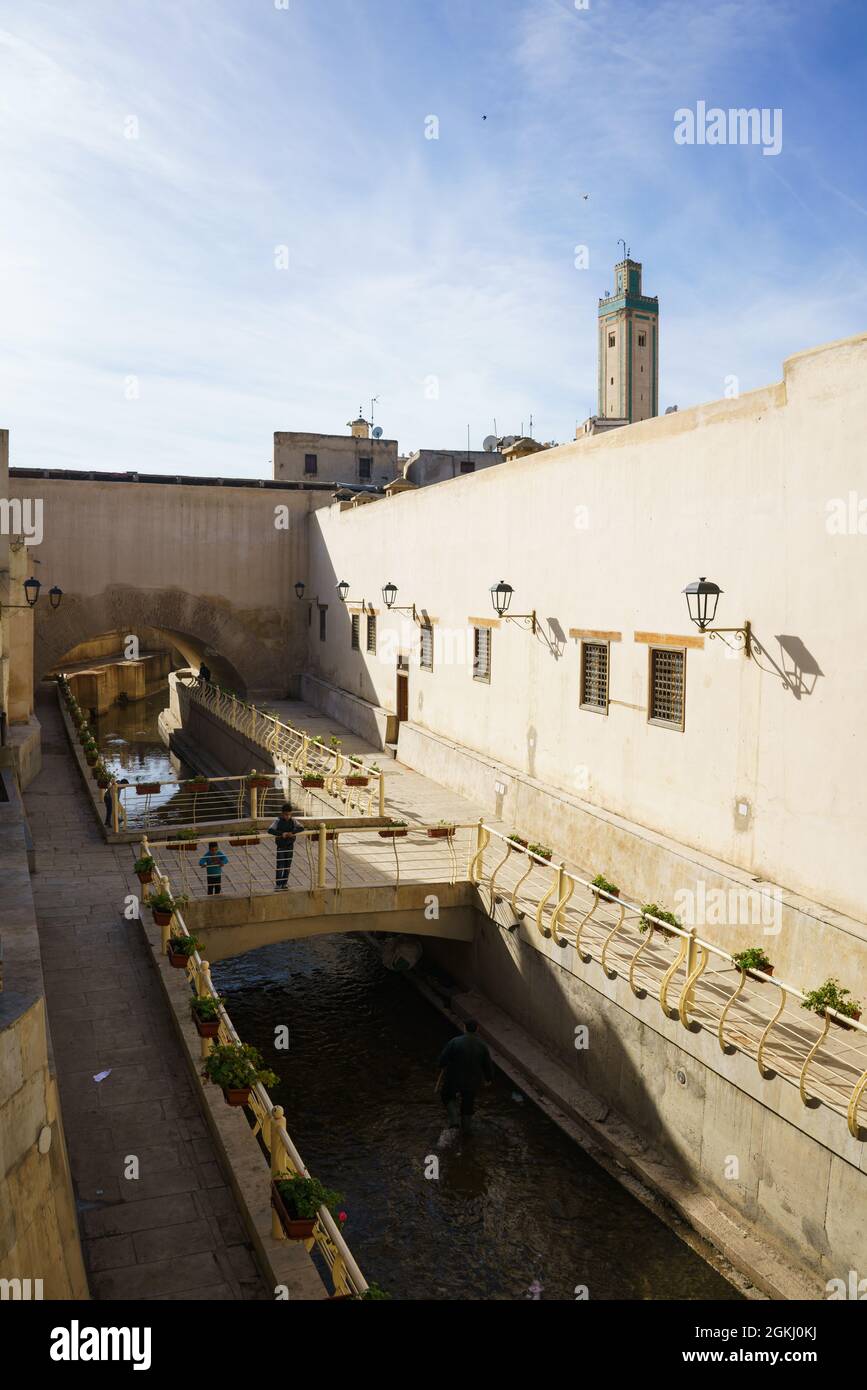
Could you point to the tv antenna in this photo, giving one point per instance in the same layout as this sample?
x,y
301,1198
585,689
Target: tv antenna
x,y
373,401
627,250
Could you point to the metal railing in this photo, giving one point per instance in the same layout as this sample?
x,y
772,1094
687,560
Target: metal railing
x,y
298,751
325,856
684,972
153,805
269,1120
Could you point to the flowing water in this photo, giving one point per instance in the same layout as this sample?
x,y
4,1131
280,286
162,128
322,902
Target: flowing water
x,y
517,1209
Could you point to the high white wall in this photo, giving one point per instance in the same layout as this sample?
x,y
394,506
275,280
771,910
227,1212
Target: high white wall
x,y
603,534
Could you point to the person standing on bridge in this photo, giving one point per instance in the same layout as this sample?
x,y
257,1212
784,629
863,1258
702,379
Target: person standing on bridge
x,y
204,673
284,829
464,1064
213,863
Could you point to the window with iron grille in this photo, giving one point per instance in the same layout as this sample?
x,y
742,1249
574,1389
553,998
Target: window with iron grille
x,y
365,467
481,654
594,676
426,647
311,464
356,631
322,616
371,634
611,340
667,686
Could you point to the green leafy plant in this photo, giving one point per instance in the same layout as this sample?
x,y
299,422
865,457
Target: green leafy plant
x,y
753,958
600,881
187,834
335,742
517,839
206,1007
166,902
662,914
541,851
235,1066
145,865
185,945
304,1196
831,995
373,1291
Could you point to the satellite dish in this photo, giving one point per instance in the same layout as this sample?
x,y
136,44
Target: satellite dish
x,y
509,440
490,443
377,433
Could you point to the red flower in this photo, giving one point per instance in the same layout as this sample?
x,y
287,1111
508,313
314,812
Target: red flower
x,y
341,1217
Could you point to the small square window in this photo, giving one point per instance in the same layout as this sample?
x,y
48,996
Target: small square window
x,y
481,654
426,647
594,676
356,632
667,687
311,465
365,468
322,619
371,635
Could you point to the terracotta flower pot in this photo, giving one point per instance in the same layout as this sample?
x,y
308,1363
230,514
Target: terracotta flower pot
x,y
356,781
440,832
296,1228
147,877
313,781
392,834
161,918
186,846
245,840
205,1029
259,783
147,788
768,970
196,787
236,1095
177,958
847,1026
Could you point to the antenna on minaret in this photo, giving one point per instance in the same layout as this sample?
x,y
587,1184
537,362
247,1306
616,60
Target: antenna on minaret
x,y
627,250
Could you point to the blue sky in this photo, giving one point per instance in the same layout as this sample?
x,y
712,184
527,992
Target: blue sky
x,y
145,325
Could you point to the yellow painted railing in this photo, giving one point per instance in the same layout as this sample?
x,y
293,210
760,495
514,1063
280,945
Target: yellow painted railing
x,y
270,1123
297,750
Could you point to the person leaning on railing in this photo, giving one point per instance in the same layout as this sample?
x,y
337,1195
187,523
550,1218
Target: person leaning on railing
x,y
284,829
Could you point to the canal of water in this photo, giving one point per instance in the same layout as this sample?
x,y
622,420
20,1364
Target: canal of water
x,y
515,1210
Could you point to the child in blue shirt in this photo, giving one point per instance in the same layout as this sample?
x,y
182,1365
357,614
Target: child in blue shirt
x,y
213,863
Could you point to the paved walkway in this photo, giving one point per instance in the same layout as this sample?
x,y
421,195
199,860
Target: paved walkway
x,y
174,1232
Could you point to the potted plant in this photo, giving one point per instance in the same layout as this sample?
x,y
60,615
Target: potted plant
x,y
144,869
335,742
163,905
518,841
196,785
654,910
541,852
205,1011
246,836
395,831
180,948
373,1291
257,781
297,1200
187,840
600,881
356,779
236,1068
751,960
441,831
147,788
100,774
832,995
91,753
312,779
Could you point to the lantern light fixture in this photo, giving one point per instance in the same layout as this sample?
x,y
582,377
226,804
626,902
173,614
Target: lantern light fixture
x,y
343,593
501,598
702,597
32,587
299,589
389,594
32,590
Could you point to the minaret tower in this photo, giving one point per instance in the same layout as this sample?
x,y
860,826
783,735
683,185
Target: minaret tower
x,y
628,348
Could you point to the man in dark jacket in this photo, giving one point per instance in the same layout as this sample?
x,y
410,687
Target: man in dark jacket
x,y
464,1064
284,829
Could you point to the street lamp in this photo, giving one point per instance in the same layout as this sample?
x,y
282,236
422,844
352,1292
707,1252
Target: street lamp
x,y
343,590
55,595
299,589
702,597
389,594
501,597
32,590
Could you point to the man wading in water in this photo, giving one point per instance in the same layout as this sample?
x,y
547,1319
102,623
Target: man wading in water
x,y
464,1064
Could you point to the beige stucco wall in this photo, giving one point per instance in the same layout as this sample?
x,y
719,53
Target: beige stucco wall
x,y
603,534
206,564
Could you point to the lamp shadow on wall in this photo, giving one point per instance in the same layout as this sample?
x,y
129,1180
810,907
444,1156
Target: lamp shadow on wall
x,y
797,668
555,638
